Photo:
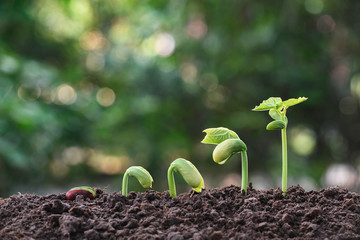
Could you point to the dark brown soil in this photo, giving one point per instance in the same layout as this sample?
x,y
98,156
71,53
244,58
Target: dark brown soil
x,y
331,213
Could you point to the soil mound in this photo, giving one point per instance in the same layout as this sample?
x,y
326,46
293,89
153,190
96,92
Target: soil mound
x,y
220,213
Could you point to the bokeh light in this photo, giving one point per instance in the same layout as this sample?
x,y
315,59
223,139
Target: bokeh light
x,y
302,140
188,72
108,164
8,64
196,29
95,61
325,24
73,155
314,6
355,86
66,94
26,92
341,175
92,40
105,97
348,105
164,45
61,23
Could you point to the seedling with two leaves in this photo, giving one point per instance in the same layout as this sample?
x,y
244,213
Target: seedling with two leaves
x,y
277,111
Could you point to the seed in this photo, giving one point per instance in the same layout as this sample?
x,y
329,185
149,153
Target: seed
x,y
84,191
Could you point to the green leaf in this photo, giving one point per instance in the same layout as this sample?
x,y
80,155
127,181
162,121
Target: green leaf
x,y
293,101
272,102
218,135
275,114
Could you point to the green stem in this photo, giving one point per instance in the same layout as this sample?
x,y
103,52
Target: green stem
x,y
125,184
244,180
171,181
284,160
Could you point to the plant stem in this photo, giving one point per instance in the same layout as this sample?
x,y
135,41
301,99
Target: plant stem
x,y
171,181
125,184
284,160
244,163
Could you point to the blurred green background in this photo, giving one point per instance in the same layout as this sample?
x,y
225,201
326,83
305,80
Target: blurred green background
x,y
89,88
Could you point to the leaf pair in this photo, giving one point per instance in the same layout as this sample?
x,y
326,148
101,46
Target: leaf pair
x,y
277,110
277,103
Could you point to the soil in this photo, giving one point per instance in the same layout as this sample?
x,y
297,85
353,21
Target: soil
x,y
220,213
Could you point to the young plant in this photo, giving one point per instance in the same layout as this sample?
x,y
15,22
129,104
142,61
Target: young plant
x,y
188,171
84,191
228,143
141,174
277,111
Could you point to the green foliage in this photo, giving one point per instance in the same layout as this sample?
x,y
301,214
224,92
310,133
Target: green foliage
x,y
275,103
218,135
271,103
275,114
292,101
277,110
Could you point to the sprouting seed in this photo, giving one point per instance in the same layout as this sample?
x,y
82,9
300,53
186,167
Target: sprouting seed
x,y
84,191
141,174
188,171
228,144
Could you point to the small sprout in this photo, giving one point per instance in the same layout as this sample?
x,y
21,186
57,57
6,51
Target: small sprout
x,y
277,111
141,174
228,144
188,171
84,191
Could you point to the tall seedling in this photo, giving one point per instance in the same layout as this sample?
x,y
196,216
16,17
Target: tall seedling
x,y
277,111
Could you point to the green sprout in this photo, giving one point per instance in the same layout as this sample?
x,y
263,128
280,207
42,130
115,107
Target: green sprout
x,y
228,143
142,175
277,111
188,171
